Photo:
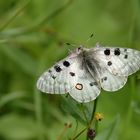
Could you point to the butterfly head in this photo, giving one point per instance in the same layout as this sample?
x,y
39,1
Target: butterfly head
x,y
79,49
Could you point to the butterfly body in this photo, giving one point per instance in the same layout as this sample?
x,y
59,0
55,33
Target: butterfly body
x,y
84,72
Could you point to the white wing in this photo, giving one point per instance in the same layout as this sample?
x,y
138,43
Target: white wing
x,y
119,61
110,82
85,88
57,79
69,75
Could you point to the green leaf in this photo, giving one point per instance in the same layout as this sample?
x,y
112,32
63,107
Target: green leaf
x,y
88,107
72,107
110,133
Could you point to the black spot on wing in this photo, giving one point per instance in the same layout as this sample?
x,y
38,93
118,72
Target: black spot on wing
x,y
126,56
57,68
125,50
107,51
53,76
72,73
109,63
103,79
117,51
93,84
66,63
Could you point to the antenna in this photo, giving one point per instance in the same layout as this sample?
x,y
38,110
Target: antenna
x,y
89,38
69,44
74,45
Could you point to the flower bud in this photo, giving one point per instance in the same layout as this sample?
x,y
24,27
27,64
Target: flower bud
x,y
91,134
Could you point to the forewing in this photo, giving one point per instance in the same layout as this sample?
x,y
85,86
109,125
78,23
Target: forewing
x,y
57,79
119,61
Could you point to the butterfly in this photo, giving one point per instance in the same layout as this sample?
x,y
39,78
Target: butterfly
x,y
85,71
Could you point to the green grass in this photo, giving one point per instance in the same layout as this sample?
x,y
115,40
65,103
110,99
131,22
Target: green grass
x,y
33,34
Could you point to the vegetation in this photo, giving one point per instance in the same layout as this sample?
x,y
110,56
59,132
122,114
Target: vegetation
x,y
33,35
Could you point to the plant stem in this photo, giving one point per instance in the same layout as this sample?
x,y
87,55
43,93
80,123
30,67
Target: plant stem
x,y
93,112
92,116
79,134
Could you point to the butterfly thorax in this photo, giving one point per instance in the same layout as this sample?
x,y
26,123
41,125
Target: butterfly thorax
x,y
90,62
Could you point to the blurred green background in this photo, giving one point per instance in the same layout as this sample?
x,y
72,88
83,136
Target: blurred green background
x,y
33,34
